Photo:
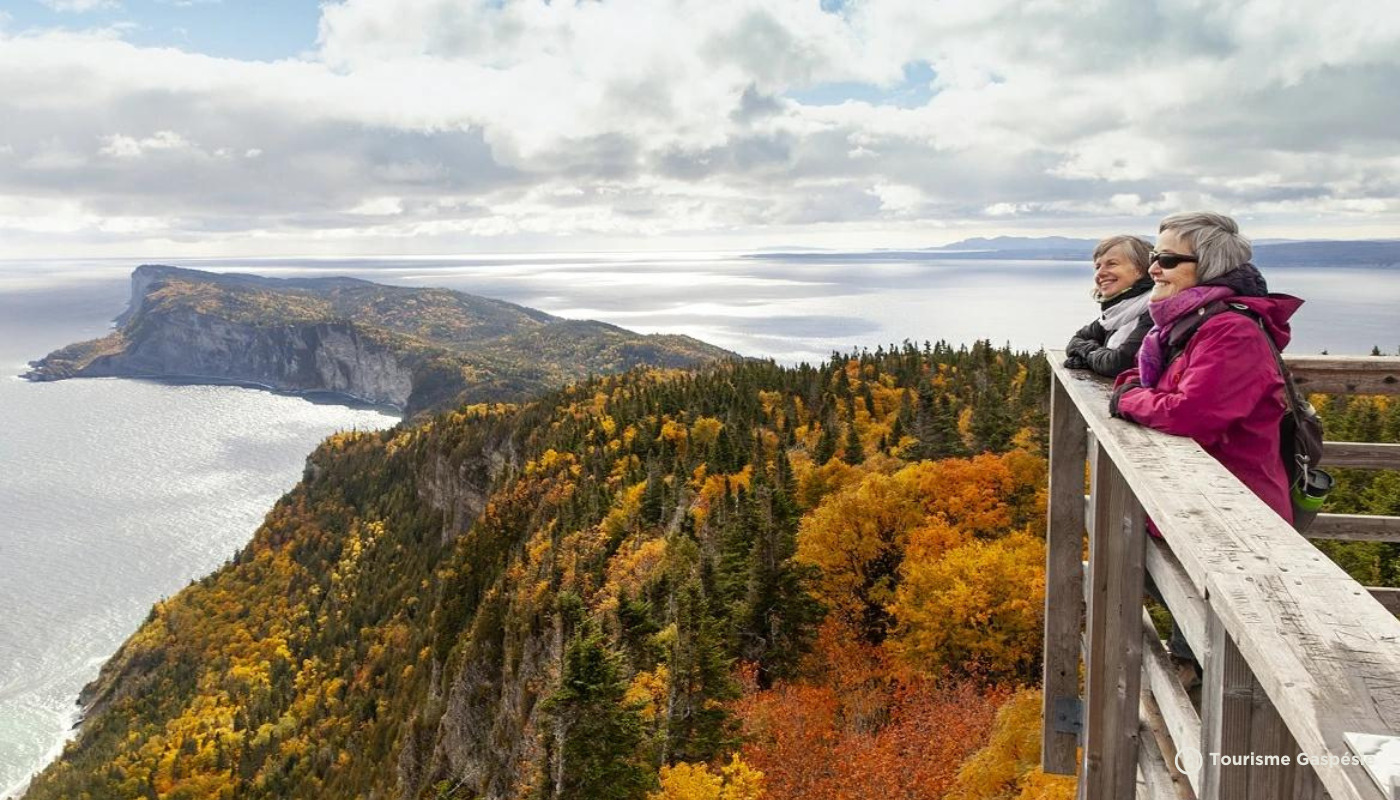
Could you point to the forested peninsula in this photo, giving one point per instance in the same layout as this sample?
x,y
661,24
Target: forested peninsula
x,y
415,349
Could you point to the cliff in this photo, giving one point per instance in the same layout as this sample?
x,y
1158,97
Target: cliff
x,y
416,349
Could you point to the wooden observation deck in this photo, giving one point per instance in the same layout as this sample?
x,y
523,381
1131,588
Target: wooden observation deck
x,y
1299,658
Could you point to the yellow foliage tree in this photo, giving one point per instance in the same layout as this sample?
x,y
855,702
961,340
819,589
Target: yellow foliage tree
x,y
1007,768
857,537
979,606
734,781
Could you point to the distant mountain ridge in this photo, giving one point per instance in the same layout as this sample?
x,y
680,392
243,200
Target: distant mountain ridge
x,y
414,348
1267,252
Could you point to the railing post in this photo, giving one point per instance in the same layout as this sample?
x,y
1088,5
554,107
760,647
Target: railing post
x,y
1064,579
1114,661
1237,719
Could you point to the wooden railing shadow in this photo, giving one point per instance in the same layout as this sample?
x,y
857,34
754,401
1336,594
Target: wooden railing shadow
x,y
1298,657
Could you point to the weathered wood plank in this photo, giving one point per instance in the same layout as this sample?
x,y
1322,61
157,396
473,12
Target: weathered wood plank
x,y
1346,374
1269,739
1114,666
1179,718
1361,455
1156,779
1125,586
1308,787
1226,710
1386,596
1098,710
1324,651
1355,528
1344,656
1183,600
1064,577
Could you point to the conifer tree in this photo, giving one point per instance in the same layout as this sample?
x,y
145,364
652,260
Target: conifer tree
x,y
699,727
853,452
935,426
602,735
992,427
778,616
826,445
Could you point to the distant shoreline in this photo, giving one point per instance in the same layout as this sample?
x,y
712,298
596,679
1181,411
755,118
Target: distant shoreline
x,y
316,396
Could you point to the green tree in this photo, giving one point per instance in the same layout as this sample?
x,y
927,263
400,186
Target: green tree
x,y
600,757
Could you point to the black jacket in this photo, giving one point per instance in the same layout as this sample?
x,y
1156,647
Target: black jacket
x,y
1087,348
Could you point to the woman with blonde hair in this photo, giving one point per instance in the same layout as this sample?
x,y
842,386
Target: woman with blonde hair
x,y
1109,344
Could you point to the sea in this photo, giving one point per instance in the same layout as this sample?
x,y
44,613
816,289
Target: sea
x,y
117,492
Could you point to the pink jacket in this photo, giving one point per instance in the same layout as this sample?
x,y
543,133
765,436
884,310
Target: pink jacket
x,y
1226,393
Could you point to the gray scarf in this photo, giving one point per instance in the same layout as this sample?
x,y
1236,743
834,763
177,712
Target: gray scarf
x,y
1120,319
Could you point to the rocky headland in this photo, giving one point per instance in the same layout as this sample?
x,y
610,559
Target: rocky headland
x,y
414,349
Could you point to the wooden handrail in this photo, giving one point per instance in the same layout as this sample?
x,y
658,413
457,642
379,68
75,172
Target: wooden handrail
x,y
1361,455
1355,528
1310,641
1346,374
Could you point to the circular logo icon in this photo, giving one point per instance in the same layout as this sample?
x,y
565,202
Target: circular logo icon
x,y
1189,760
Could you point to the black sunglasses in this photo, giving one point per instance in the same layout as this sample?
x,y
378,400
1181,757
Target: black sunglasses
x,y
1168,260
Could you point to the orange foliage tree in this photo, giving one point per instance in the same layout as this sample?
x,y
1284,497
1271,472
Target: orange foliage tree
x,y
858,731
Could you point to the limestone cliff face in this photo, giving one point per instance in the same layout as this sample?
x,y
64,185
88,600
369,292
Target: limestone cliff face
x,y
419,349
310,357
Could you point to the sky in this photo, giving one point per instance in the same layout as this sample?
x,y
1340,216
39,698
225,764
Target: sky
x,y
254,127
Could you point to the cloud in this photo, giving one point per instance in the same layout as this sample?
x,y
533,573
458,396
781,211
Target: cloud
x,y
624,122
80,6
119,146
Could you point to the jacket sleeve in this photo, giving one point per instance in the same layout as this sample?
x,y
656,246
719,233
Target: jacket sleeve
x,y
1229,370
1110,361
1087,339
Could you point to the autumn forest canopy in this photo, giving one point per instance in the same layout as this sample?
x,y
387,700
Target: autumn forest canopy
x,y
738,582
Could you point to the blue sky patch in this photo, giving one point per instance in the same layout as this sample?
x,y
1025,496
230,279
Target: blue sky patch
x,y
914,90
250,30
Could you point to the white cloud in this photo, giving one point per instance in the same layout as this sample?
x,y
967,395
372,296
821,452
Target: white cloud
x,y
378,207
631,118
80,6
119,146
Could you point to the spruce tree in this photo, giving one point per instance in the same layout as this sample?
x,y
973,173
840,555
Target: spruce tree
x,y
826,445
698,728
775,622
935,426
853,452
602,735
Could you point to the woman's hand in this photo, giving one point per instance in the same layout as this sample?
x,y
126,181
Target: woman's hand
x,y
1118,394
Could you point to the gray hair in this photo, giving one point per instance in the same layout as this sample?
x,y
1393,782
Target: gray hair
x,y
1133,247
1216,239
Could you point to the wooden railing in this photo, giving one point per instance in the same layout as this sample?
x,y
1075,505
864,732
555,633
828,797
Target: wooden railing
x,y
1297,655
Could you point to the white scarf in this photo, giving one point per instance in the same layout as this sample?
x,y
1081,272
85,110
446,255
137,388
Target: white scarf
x,y
1121,318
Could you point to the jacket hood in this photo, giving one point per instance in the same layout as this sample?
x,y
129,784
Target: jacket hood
x,y
1275,311
1246,280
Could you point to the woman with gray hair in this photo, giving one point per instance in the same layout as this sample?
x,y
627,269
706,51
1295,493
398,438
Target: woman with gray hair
x,y
1210,375
1109,344
1207,369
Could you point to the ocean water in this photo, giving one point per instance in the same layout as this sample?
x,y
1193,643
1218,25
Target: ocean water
x,y
116,493
120,492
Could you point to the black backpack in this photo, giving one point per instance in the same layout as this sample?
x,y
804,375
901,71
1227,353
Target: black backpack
x,y
1300,429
